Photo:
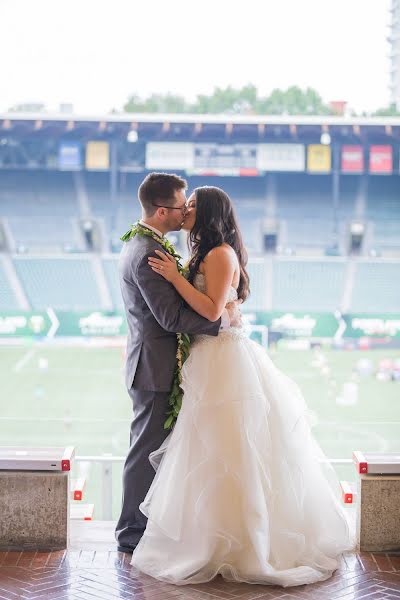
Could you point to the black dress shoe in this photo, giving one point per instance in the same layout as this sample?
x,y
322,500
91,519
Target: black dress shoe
x,y
126,549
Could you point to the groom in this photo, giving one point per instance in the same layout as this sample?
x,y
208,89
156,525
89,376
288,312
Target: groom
x,y
155,313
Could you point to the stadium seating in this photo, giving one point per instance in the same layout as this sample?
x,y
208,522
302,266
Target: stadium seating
x,y
53,282
8,300
110,266
383,210
308,233
303,195
258,274
27,193
386,237
376,287
349,189
98,190
116,218
308,284
248,197
383,198
41,210
250,215
237,188
47,234
304,207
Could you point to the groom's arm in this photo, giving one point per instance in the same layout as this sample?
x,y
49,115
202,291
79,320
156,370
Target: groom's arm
x,y
166,304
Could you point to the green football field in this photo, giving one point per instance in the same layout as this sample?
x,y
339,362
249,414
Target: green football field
x,y
58,396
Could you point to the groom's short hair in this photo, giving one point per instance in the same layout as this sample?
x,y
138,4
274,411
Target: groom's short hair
x,y
159,189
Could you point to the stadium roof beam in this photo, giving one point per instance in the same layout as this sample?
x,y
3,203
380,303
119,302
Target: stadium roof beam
x,y
204,118
205,128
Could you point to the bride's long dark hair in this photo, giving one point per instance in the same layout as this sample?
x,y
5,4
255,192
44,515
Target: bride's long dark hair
x,y
216,224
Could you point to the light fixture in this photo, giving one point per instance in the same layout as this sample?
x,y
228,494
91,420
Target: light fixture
x,y
132,136
325,139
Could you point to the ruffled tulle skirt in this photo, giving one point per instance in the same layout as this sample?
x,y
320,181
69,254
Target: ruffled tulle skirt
x,y
242,488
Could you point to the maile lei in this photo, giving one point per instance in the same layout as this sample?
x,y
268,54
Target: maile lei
x,y
176,394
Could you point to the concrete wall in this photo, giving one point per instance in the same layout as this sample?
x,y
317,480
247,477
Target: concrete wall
x,y
34,509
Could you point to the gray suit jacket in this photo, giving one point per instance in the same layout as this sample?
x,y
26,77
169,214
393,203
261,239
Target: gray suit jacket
x,y
155,313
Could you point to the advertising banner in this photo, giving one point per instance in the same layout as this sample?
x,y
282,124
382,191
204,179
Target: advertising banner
x,y
24,324
169,156
381,159
318,158
297,324
352,159
225,159
360,325
52,323
281,157
97,155
70,156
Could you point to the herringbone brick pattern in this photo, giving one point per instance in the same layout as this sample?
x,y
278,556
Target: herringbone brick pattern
x,y
107,575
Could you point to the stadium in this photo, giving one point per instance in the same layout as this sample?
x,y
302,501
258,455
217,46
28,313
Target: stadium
x,y
318,201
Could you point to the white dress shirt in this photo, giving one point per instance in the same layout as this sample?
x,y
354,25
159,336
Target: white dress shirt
x,y
141,222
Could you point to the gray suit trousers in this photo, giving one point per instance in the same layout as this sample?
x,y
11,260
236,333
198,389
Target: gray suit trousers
x,y
147,434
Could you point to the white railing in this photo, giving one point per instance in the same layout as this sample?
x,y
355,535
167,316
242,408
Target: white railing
x,y
106,462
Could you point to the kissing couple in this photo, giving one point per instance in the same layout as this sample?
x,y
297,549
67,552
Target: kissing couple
x,y
239,487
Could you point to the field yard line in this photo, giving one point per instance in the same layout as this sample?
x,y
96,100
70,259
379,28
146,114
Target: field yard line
x,y
22,362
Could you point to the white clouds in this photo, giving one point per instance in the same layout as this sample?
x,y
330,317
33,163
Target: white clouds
x,y
95,53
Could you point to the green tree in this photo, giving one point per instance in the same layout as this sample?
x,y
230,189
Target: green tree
x,y
389,111
244,100
157,103
293,101
227,100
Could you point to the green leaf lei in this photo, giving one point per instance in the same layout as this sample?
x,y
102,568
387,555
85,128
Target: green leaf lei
x,y
176,394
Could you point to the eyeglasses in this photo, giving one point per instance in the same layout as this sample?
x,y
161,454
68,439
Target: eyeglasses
x,y
184,207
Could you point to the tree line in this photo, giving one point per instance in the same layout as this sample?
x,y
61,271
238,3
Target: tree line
x,y
244,100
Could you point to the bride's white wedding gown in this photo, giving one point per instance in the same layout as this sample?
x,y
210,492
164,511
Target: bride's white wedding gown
x,y
239,488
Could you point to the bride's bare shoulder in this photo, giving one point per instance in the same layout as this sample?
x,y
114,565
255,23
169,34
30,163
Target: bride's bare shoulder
x,y
223,251
219,256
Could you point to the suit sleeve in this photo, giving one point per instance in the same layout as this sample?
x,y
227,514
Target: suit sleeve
x,y
167,305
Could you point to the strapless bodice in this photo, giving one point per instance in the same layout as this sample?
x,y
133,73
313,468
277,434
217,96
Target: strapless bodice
x,y
199,283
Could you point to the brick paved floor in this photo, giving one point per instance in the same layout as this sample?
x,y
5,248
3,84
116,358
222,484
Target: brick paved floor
x,y
94,570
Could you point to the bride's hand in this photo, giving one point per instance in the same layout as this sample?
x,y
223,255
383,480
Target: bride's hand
x,y
165,266
234,313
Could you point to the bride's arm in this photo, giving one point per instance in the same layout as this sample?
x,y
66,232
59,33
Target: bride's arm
x,y
219,267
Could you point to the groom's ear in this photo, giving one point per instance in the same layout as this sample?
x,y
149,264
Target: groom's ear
x,y
161,212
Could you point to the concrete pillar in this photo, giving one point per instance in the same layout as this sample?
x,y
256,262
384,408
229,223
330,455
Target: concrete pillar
x,y
34,510
378,522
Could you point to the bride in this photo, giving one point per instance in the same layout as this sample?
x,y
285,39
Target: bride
x,y
242,488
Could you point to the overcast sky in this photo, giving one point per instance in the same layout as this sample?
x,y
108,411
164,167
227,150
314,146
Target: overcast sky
x,y
95,53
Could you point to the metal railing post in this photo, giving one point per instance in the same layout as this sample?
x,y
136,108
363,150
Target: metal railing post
x,y
106,487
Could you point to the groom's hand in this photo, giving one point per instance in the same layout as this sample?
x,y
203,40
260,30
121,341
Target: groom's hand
x,y
234,313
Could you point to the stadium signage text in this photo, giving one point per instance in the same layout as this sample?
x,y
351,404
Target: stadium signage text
x,y
51,323
256,159
376,326
99,324
292,325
